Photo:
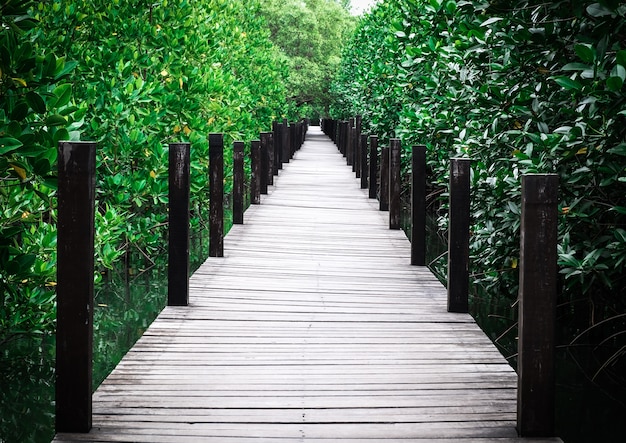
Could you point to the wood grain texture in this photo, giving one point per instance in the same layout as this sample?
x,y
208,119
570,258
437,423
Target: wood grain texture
x,y
313,327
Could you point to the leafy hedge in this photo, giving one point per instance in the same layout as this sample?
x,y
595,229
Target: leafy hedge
x,y
520,87
142,74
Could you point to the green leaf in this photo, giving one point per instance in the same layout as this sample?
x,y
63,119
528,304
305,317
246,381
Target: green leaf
x,y
56,120
621,57
619,149
36,102
575,67
63,93
8,144
20,111
614,83
598,10
490,21
619,71
585,52
568,83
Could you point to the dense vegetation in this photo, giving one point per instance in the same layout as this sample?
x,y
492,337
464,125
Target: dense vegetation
x,y
132,75
310,35
519,86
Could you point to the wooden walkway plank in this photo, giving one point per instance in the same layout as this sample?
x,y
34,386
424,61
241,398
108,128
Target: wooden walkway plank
x,y
313,327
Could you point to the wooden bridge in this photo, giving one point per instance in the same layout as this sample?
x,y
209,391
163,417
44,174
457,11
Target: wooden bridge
x,y
313,327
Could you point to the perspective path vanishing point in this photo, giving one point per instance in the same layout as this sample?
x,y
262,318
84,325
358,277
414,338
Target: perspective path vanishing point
x,y
314,327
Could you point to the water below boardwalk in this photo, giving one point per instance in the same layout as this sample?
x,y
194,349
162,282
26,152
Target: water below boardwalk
x,y
125,306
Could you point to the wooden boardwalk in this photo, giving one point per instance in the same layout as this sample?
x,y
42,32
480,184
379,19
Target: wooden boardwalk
x,y
313,328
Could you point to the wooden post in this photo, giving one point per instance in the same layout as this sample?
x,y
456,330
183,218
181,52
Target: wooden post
x,y
267,153
264,163
278,146
363,161
216,186
458,235
350,142
293,139
178,257
255,181
537,305
373,166
238,182
344,138
418,206
356,152
75,287
395,205
384,180
286,140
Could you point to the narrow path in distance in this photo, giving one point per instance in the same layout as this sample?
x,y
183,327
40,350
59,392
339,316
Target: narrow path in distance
x,y
314,327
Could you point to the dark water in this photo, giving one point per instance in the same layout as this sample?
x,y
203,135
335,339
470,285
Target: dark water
x,y
126,303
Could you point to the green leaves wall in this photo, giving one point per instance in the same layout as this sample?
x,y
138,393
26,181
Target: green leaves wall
x,y
519,87
134,76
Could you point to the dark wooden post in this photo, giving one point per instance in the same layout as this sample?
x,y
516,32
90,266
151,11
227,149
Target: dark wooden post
x,y
255,181
537,305
418,206
458,235
384,180
216,185
278,146
238,182
286,140
363,161
356,152
350,142
267,155
263,165
345,130
75,287
395,184
373,166
178,257
293,130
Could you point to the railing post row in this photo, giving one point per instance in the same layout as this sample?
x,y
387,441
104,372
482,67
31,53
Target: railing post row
x,y
238,182
178,226
216,189
537,305
458,235
75,285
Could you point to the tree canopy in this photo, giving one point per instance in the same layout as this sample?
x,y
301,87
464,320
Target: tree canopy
x,y
310,35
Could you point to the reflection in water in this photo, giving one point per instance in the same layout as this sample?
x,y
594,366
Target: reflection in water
x,y
127,301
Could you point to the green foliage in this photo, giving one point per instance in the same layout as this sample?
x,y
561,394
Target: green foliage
x,y
520,87
310,35
142,74
36,111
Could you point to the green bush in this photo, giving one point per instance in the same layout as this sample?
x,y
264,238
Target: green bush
x,y
142,74
520,87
